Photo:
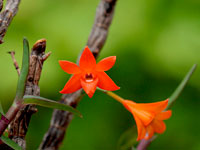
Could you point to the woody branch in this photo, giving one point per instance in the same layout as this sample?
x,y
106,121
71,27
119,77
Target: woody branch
x,y
7,15
61,119
19,126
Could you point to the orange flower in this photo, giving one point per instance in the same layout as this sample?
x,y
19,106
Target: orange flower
x,y
149,117
88,75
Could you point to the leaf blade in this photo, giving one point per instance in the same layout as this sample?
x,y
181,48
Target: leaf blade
x,y
1,109
24,72
10,143
128,139
181,86
37,100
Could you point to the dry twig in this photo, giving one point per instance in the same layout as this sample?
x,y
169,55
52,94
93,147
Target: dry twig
x,y
61,119
19,125
7,15
12,53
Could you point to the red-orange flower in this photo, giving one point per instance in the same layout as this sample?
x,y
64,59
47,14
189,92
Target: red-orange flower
x,y
88,75
149,117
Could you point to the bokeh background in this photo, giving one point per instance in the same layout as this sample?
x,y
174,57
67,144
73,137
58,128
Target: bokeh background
x,y
156,43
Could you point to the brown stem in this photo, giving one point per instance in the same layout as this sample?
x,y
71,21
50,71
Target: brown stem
x,y
145,143
10,115
12,53
4,122
18,127
7,15
60,119
1,4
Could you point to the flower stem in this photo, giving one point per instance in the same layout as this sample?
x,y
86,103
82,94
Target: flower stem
x,y
114,96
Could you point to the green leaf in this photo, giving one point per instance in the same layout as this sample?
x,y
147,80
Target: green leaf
x,y
10,143
1,109
37,100
181,86
24,71
133,148
128,139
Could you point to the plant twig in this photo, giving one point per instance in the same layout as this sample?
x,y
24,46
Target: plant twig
x,y
18,127
12,53
60,119
7,15
17,103
145,143
1,4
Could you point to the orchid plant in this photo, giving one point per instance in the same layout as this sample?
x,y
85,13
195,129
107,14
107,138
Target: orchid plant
x,y
90,76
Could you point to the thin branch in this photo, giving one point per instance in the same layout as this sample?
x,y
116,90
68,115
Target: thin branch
x,y
7,15
60,119
18,127
145,143
1,4
12,53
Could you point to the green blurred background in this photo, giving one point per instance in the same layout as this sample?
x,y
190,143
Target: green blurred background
x,y
156,43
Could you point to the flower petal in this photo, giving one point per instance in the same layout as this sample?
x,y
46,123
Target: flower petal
x,y
145,116
106,63
87,61
105,82
158,126
164,115
156,107
150,132
140,128
89,87
69,67
72,85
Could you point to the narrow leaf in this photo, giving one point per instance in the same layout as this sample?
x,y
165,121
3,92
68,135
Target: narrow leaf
x,y
10,143
133,148
24,71
181,86
37,100
1,109
128,139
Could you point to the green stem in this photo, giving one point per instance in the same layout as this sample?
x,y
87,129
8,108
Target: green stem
x,y
181,86
113,95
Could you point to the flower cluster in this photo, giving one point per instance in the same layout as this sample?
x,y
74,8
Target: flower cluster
x,y
89,75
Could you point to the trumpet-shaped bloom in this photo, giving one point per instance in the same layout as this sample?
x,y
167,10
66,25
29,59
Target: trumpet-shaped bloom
x,y
88,75
149,117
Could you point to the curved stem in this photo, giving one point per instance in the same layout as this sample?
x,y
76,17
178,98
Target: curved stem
x,y
114,96
5,120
